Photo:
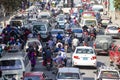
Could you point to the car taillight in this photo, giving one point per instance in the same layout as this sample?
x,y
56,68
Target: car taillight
x,y
76,57
119,30
94,45
107,30
93,58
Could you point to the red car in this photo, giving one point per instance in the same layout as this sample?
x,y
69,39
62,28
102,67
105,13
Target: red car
x,y
88,14
35,76
114,54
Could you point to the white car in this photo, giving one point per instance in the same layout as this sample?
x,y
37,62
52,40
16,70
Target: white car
x,y
107,73
113,30
69,73
34,42
84,56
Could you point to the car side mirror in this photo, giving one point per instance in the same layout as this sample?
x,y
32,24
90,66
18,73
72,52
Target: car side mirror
x,y
82,74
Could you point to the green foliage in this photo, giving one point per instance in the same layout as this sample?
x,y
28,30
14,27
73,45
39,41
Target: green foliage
x,y
12,5
117,4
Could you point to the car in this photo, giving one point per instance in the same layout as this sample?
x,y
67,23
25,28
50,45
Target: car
x,y
61,20
114,54
35,76
34,42
113,30
107,73
69,73
102,44
13,64
54,32
41,27
78,32
88,21
84,56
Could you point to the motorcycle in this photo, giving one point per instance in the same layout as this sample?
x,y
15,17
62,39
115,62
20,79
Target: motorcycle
x,y
48,64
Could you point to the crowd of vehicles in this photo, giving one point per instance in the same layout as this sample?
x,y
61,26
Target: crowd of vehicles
x,y
50,35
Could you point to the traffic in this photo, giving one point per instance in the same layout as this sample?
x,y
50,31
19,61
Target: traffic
x,y
49,41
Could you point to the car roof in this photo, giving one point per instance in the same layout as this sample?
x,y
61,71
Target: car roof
x,y
103,36
110,25
33,39
87,47
69,69
76,28
17,55
107,68
33,73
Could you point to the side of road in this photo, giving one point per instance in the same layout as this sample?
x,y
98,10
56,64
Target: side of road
x,y
115,17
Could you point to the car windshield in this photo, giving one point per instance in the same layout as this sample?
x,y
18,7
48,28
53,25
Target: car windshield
x,y
109,74
39,28
90,22
15,23
84,51
10,64
32,78
33,43
61,19
77,30
68,76
103,38
44,16
113,28
56,32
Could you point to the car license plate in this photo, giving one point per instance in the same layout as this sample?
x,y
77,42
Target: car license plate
x,y
85,58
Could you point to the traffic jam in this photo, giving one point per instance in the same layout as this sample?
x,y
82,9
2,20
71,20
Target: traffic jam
x,y
51,41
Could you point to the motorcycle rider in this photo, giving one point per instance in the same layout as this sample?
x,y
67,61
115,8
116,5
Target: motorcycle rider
x,y
75,42
47,55
92,32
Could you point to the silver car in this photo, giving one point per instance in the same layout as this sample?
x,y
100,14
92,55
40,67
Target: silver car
x,y
69,73
102,44
107,73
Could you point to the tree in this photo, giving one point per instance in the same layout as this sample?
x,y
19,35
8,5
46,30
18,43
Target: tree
x,y
117,4
11,5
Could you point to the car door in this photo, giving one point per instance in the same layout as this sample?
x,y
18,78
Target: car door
x,y
112,52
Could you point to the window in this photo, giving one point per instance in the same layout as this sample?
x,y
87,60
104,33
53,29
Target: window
x,y
68,76
39,28
84,51
32,78
10,64
109,75
16,23
90,22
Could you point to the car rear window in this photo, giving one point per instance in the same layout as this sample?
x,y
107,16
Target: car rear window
x,y
113,28
68,76
32,78
10,64
84,51
110,74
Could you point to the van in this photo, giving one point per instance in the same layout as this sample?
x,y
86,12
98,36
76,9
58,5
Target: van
x,y
14,64
18,21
